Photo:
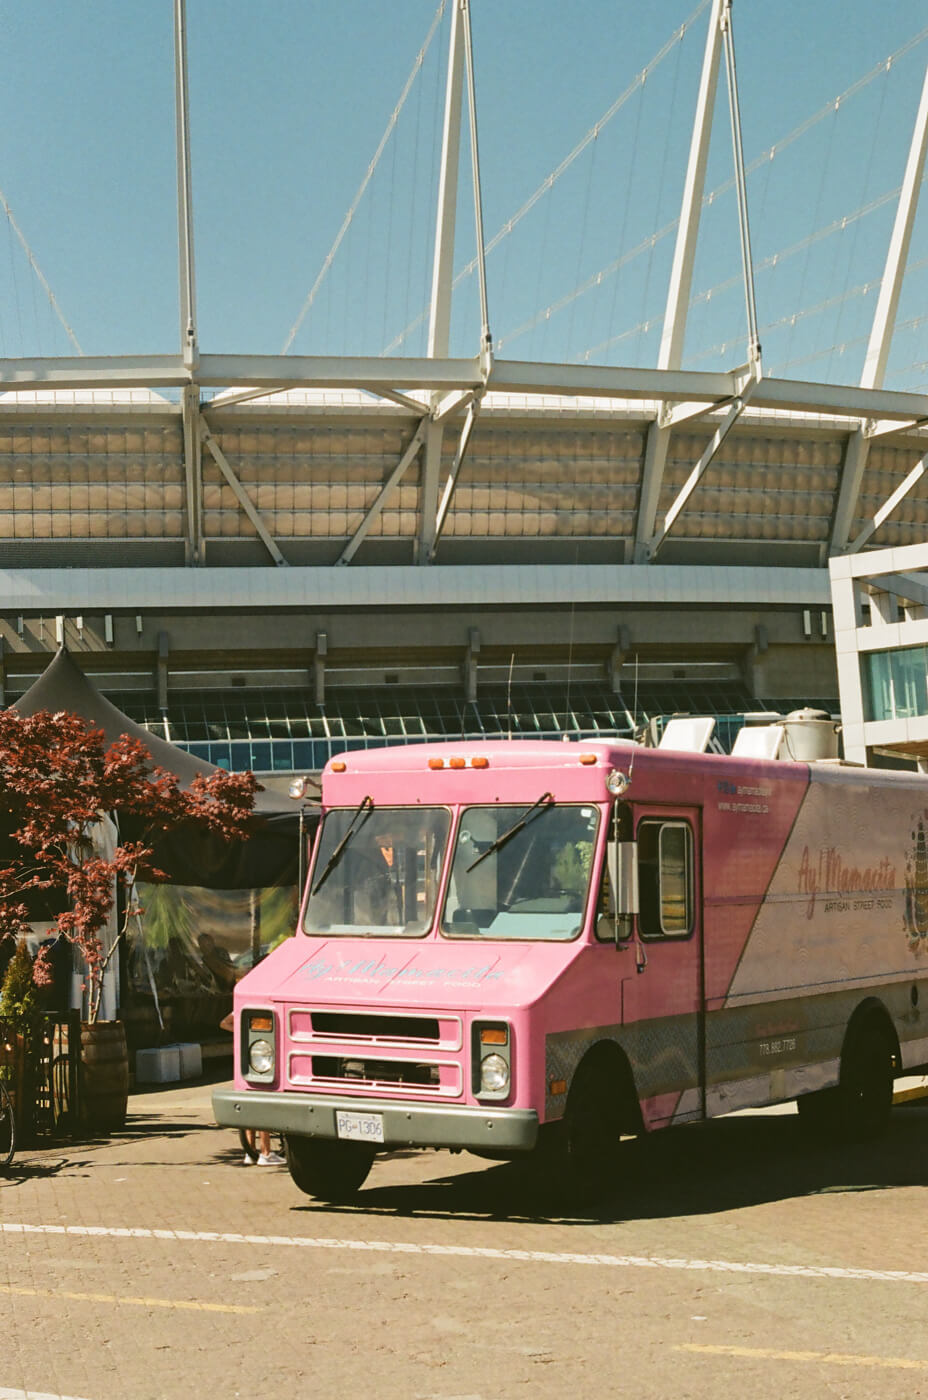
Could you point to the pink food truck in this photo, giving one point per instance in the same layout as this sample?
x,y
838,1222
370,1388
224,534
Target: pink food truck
x,y
517,944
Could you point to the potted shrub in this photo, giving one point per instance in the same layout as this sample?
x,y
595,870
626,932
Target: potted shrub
x,y
59,783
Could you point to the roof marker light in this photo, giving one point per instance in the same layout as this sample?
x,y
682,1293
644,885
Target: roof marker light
x,y
436,763
338,765
457,763
480,763
588,758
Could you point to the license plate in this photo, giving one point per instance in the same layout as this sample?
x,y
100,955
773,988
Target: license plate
x,y
359,1127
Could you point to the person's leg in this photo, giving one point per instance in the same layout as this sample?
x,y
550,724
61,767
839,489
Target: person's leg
x,y
267,1157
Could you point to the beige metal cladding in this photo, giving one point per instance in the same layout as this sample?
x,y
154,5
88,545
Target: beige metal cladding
x,y
90,483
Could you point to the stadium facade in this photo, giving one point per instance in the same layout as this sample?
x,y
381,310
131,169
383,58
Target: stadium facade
x,y
267,559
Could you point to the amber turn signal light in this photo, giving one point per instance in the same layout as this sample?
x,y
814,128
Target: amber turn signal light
x,y
492,1035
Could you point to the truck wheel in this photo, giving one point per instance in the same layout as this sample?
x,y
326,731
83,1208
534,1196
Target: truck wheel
x,y
819,1113
333,1171
592,1129
858,1107
865,1091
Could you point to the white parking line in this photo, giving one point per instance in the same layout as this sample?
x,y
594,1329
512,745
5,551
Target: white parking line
x,y
6,1394
529,1256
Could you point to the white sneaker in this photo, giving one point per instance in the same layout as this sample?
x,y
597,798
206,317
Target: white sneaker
x,y
271,1159
248,1161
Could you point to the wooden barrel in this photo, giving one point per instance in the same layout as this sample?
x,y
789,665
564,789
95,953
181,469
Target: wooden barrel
x,y
104,1081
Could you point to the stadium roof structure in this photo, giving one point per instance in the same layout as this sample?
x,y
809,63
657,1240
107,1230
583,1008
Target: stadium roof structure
x,y
440,518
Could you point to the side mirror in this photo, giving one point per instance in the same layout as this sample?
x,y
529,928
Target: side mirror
x,y
622,866
622,886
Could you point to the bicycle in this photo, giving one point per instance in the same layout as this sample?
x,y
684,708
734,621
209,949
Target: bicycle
x,y
7,1128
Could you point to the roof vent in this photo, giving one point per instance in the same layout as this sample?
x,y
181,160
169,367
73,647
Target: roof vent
x,y
689,735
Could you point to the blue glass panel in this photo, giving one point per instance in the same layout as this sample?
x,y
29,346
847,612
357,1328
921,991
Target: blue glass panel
x,y
261,757
281,755
303,758
221,755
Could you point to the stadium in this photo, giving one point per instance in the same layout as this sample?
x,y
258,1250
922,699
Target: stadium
x,y
269,559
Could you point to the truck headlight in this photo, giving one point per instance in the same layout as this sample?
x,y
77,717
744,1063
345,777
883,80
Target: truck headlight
x,y
494,1075
261,1057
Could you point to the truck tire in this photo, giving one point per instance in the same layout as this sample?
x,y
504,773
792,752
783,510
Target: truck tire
x,y
592,1130
332,1171
865,1091
858,1107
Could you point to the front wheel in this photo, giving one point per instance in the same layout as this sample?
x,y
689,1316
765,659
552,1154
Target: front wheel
x,y
7,1129
334,1171
591,1133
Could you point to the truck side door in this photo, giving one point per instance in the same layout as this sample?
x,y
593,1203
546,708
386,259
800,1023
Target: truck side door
x,y
662,989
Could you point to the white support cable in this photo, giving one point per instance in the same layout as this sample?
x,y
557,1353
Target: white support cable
x,y
792,318
551,179
52,301
757,163
771,261
828,110
912,323
594,280
346,222
710,293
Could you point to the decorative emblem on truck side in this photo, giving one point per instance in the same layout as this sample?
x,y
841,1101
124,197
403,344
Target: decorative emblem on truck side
x,y
916,890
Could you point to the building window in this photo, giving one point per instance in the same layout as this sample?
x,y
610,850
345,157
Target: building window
x,y
897,683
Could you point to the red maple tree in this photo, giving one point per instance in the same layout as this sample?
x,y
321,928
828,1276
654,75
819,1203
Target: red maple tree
x,y
58,778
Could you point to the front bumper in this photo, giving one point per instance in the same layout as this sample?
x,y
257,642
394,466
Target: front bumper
x,y
405,1124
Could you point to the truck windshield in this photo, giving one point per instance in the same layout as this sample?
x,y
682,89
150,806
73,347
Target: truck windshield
x,y
385,880
533,885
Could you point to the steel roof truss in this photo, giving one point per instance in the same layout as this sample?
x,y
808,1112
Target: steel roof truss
x,y
889,505
905,586
450,484
386,491
735,409
241,495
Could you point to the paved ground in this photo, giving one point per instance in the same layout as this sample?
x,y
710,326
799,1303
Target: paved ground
x,y
731,1260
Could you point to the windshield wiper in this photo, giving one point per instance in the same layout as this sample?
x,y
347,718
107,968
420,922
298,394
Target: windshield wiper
x,y
507,836
366,806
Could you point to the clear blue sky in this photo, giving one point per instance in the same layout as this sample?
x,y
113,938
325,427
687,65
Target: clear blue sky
x,y
289,102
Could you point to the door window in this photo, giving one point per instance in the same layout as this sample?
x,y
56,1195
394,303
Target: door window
x,y
665,879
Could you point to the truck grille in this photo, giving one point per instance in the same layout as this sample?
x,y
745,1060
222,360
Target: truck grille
x,y
362,1025
376,1071
370,1052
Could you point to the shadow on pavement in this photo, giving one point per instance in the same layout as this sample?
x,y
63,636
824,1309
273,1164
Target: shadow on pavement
x,y
729,1164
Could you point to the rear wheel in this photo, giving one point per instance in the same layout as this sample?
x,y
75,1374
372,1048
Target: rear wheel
x,y
333,1171
866,1089
859,1105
